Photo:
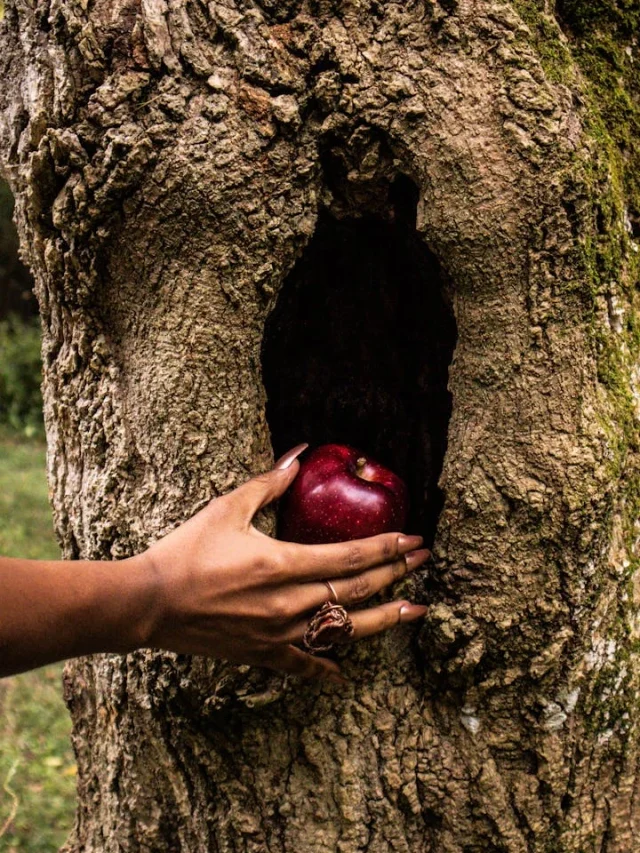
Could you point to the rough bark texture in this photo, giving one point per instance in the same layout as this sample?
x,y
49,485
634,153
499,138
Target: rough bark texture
x,y
170,160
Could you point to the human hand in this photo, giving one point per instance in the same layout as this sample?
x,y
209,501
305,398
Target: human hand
x,y
226,590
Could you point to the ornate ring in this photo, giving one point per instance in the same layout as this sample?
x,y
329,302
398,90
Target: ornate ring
x,y
329,624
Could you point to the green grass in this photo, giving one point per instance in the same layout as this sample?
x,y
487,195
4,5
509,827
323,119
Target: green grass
x,y
37,769
26,528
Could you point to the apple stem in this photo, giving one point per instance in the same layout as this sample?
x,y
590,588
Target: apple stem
x,y
360,463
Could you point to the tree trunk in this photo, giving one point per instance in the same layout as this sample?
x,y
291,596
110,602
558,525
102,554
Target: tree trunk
x,y
423,188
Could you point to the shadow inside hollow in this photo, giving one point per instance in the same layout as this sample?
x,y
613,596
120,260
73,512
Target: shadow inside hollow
x,y
357,351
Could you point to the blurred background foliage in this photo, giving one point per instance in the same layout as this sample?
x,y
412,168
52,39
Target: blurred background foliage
x,y
16,284
20,376
37,766
20,368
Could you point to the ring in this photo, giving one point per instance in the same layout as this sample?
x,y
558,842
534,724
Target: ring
x,y
332,621
332,590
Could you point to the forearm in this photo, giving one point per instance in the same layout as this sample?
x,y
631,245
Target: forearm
x,y
51,611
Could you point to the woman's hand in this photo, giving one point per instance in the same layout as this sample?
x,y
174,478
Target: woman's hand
x,y
229,591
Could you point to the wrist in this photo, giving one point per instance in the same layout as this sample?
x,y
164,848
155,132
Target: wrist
x,y
144,597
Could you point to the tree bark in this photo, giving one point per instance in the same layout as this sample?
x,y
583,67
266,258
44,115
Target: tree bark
x,y
170,161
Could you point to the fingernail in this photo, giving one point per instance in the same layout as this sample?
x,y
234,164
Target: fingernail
x,y
409,543
289,456
336,678
417,558
408,612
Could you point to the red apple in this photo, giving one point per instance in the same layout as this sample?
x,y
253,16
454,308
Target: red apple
x,y
340,493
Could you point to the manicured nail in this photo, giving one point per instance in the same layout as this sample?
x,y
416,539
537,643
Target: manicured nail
x,y
409,612
290,455
417,558
409,543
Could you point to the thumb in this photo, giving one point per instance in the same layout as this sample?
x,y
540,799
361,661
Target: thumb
x,y
265,488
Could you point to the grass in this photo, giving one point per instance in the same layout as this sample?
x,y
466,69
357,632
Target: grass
x,y
26,528
37,769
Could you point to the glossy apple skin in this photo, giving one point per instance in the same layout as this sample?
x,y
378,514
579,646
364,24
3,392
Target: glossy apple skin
x,y
333,499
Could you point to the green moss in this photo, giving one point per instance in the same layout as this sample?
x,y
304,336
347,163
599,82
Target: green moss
x,y
613,374
614,701
555,56
613,122
585,16
601,36
603,188
603,40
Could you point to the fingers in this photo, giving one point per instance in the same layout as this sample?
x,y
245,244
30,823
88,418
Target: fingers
x,y
378,619
374,620
289,658
295,661
343,559
358,588
286,460
265,488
